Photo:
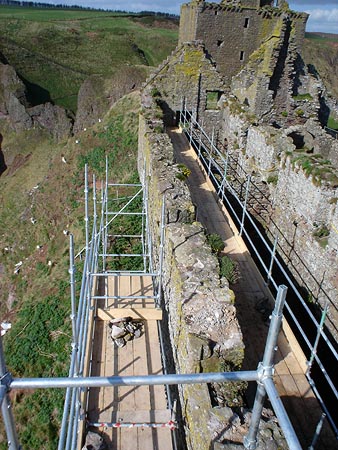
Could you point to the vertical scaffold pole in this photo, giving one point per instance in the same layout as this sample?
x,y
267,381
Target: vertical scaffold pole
x,y
160,270
273,255
72,271
265,369
315,345
143,231
190,127
317,432
102,221
94,205
6,408
105,231
199,143
86,208
245,203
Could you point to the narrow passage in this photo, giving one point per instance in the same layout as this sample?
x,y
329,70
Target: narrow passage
x,y
253,304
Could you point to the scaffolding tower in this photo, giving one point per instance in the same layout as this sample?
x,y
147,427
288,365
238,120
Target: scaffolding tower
x,y
100,263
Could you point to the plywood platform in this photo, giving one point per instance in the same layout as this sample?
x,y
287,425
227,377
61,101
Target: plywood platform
x,y
139,357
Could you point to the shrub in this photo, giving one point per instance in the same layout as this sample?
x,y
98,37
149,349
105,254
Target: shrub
x,y
184,172
216,242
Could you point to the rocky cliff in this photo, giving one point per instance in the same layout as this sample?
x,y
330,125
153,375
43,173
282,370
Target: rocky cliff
x,y
16,110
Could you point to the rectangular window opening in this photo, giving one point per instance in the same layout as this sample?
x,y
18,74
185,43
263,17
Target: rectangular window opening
x,y
246,22
212,99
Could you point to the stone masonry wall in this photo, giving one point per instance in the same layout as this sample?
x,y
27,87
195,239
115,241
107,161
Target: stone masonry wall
x,y
303,192
219,27
201,315
204,332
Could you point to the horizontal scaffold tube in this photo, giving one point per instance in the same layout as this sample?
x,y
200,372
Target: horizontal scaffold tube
x,y
146,380
171,424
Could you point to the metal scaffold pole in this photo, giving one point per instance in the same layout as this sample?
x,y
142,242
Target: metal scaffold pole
x,y
245,204
86,208
6,408
72,271
265,384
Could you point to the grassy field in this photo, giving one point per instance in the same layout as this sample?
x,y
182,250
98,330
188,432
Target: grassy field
x,y
56,50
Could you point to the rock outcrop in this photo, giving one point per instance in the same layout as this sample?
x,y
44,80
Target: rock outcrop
x,y
15,108
96,94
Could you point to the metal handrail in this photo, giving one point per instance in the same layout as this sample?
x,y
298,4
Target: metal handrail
x,y
207,161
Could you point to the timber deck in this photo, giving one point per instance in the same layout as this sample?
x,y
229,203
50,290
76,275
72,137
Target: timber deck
x,y
141,356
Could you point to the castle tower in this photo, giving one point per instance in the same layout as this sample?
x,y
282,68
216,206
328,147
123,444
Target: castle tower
x,y
233,29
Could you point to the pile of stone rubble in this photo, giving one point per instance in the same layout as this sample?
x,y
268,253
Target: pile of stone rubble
x,y
125,329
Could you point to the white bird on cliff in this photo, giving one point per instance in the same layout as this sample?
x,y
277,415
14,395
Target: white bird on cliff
x,y
63,159
33,220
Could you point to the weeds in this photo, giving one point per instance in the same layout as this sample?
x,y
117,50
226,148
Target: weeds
x,y
228,269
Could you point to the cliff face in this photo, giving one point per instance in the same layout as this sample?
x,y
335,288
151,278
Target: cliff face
x,y
13,99
15,109
97,94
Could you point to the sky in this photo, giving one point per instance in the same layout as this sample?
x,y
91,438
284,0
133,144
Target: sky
x,y
323,13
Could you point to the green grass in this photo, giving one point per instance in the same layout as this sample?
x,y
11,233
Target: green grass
x,y
48,15
57,50
39,341
332,123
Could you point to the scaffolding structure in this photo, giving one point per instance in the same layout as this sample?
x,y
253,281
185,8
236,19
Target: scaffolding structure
x,y
218,165
98,265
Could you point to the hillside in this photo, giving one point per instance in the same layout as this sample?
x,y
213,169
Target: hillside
x,y
321,51
54,51
38,187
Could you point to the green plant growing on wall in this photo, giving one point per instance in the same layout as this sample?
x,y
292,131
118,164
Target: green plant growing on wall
x,y
216,242
230,394
155,93
301,97
321,234
184,172
322,231
228,269
299,112
272,179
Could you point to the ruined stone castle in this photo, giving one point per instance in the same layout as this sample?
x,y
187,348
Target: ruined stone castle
x,y
238,69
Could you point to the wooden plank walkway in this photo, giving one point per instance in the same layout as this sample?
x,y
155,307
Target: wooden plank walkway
x,y
251,297
141,356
